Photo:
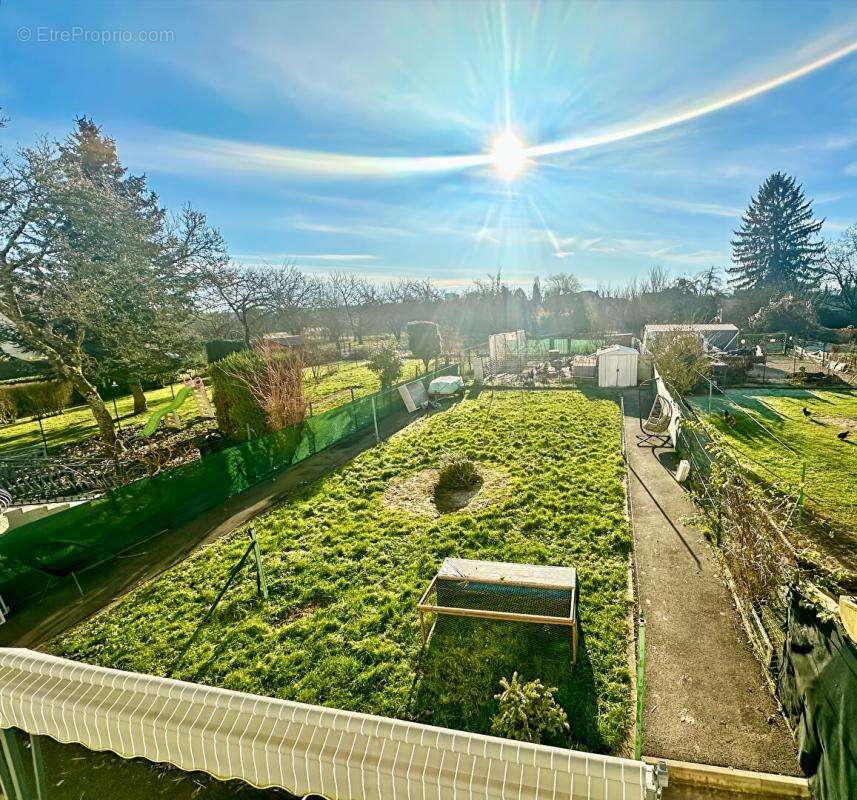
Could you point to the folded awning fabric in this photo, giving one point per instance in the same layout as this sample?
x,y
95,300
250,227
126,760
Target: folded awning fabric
x,y
301,748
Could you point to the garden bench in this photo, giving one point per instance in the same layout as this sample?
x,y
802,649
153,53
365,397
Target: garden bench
x,y
497,590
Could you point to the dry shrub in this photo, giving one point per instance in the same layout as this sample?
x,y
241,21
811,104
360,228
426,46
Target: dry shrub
x,y
271,377
680,359
457,472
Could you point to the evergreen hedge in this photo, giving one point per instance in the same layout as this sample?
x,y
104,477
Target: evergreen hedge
x,y
217,349
36,398
234,405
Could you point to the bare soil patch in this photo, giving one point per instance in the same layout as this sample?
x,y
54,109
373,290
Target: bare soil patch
x,y
418,494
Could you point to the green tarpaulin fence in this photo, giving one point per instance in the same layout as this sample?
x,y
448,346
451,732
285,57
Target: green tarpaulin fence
x,y
37,554
817,686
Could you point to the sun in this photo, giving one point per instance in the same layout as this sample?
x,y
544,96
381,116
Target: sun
x,y
508,155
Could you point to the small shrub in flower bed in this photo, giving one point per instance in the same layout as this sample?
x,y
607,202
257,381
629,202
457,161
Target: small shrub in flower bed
x,y
457,472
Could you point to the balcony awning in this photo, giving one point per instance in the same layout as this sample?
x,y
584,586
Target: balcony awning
x,y
301,748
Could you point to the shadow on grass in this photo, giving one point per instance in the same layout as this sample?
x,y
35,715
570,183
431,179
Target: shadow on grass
x,y
459,673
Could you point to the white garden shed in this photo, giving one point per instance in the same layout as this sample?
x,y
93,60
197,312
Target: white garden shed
x,y
617,366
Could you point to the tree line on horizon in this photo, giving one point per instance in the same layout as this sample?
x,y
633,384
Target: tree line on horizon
x,y
109,287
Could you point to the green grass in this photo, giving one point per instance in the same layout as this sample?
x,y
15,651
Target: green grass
x,y
346,571
831,477
332,390
77,423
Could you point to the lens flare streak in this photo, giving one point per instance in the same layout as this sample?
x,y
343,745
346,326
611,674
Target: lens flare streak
x,y
248,156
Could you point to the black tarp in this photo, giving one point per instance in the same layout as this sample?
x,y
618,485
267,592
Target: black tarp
x,y
817,686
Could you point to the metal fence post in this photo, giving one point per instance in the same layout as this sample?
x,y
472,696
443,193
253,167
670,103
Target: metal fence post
x,y
15,764
375,420
641,688
38,767
261,582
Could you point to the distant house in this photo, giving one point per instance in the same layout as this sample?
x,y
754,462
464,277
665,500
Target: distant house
x,y
714,336
13,350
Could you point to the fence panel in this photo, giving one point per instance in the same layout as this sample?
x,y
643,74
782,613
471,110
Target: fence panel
x,y
817,685
36,554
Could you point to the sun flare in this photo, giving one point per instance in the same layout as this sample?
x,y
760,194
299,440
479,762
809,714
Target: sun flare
x,y
508,155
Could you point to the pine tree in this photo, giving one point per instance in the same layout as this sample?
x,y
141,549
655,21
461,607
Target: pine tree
x,y
777,247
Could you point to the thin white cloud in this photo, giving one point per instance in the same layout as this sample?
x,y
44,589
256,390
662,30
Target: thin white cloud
x,y
184,151
280,257
363,230
691,207
657,250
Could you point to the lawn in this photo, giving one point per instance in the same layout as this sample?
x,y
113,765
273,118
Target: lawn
x,y
332,390
346,567
831,465
76,423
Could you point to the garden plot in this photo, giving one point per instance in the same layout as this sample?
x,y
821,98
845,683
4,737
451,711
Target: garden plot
x,y
331,390
336,381
831,463
346,566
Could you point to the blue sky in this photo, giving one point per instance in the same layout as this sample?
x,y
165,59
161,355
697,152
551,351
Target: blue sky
x,y
354,135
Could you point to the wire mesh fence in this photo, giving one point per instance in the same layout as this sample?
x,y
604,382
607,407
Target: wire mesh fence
x,y
765,524
777,359
58,546
776,343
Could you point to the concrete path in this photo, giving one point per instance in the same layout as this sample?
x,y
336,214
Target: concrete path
x,y
706,697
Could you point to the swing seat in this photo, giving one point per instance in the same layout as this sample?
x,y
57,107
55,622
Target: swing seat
x,y
656,426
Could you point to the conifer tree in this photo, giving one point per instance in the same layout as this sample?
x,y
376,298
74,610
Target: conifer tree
x,y
777,247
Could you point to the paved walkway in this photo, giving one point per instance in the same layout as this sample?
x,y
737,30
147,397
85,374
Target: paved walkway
x,y
706,698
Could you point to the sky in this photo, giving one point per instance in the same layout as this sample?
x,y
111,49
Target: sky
x,y
361,136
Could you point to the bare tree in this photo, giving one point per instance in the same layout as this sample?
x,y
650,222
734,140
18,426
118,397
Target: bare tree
x,y
356,297
406,300
291,294
840,270
562,284
245,291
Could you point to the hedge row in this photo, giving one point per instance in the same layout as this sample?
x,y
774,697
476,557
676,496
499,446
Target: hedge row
x,y
220,348
36,398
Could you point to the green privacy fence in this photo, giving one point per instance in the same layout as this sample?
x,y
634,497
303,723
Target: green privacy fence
x,y
58,546
775,343
817,686
566,345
